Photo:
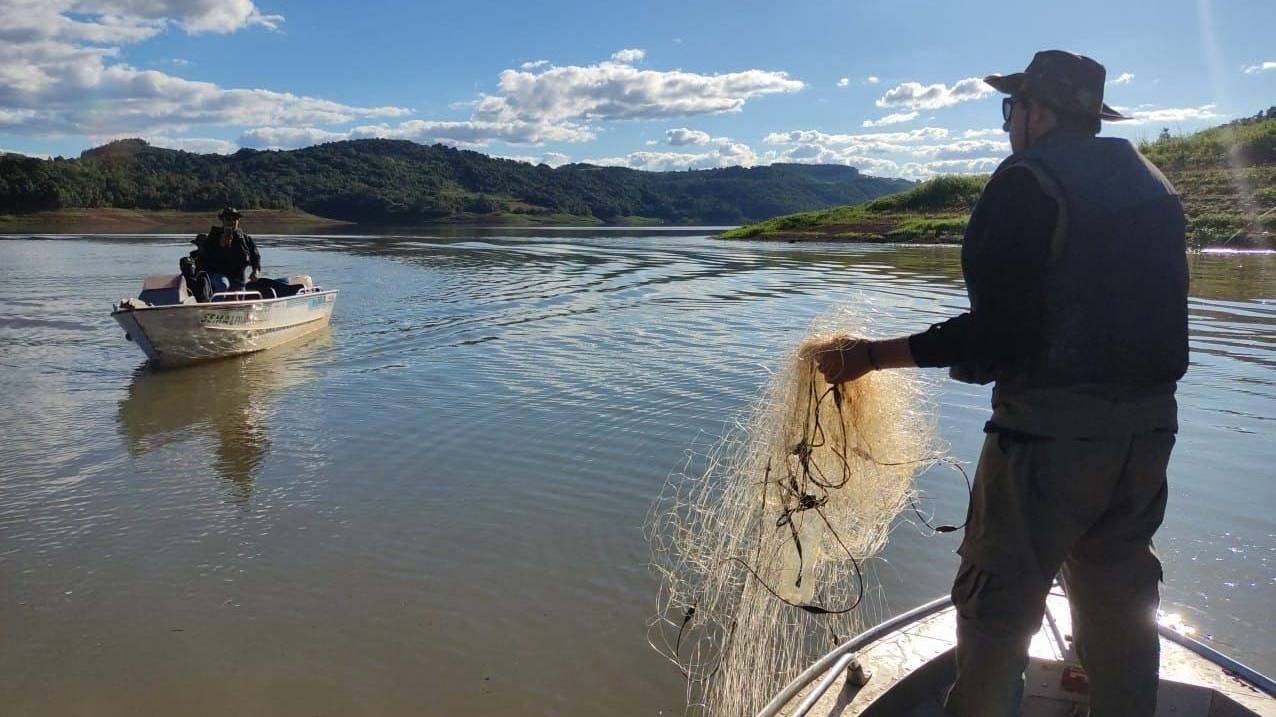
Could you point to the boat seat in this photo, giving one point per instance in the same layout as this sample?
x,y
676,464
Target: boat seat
x,y
165,289
302,279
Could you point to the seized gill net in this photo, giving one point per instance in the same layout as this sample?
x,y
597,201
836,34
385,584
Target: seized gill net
x,y
760,544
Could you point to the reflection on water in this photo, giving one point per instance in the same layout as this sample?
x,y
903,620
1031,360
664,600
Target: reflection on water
x,y
437,507
1239,276
227,402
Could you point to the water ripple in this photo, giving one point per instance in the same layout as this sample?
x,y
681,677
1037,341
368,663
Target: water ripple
x,y
449,484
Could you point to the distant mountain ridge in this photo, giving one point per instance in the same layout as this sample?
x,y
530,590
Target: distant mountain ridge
x,y
397,182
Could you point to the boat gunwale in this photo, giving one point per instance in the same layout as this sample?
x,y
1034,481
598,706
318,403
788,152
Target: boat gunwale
x,y
223,304
1242,672
867,637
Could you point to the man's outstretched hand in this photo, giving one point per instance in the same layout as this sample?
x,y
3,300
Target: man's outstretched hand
x,y
842,359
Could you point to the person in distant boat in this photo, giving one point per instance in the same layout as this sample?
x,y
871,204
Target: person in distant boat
x,y
228,254
1075,266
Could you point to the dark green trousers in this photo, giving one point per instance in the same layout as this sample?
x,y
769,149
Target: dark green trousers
x,y
1088,507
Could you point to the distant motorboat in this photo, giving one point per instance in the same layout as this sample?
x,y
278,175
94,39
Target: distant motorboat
x,y
174,329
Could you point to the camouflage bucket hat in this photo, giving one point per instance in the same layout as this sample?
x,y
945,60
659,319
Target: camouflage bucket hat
x,y
230,213
1066,81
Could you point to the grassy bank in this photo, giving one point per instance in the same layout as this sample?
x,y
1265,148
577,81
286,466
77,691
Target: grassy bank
x,y
935,211
1226,176
115,221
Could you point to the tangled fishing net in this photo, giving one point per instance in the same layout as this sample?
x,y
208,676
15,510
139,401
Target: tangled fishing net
x,y
760,545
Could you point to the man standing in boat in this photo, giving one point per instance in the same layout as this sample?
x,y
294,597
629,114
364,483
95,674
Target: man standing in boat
x,y
1075,265
228,254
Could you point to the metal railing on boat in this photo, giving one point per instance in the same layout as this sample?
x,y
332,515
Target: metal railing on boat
x,y
843,655
236,296
254,295
1236,667
832,664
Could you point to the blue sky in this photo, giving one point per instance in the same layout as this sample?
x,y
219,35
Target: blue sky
x,y
885,86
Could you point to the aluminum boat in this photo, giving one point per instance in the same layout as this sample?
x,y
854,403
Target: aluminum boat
x,y
904,666
174,329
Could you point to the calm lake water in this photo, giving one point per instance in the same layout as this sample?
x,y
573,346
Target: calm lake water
x,y
436,506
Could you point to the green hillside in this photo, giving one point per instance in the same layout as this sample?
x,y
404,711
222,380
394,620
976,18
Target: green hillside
x,y
394,182
934,211
1226,176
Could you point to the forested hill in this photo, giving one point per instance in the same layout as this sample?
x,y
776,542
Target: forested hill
x,y
400,182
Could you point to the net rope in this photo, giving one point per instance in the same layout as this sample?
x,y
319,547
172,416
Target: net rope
x,y
761,544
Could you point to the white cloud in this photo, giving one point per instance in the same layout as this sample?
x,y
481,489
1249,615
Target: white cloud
x,y
558,104
607,161
629,55
1173,114
287,137
915,95
813,154
726,153
198,145
730,154
817,137
683,136
913,154
613,91
896,118
59,72
872,80
15,117
1124,78
1260,67
477,132
926,170
194,16
845,81
927,142
62,72
462,133
961,148
987,132
42,21
553,159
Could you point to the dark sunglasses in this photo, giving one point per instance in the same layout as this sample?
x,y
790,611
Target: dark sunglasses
x,y
1008,106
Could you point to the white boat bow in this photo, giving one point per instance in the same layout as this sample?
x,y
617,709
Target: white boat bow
x,y
174,329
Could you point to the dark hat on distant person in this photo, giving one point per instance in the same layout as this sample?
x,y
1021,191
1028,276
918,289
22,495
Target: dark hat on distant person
x,y
1066,81
230,213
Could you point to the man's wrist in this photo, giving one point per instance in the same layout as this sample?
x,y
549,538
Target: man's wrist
x,y
891,353
872,358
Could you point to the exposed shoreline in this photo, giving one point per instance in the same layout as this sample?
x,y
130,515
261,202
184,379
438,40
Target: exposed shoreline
x,y
834,237
111,220
837,235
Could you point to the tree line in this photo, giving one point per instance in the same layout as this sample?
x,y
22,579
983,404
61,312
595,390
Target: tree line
x,y
401,182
